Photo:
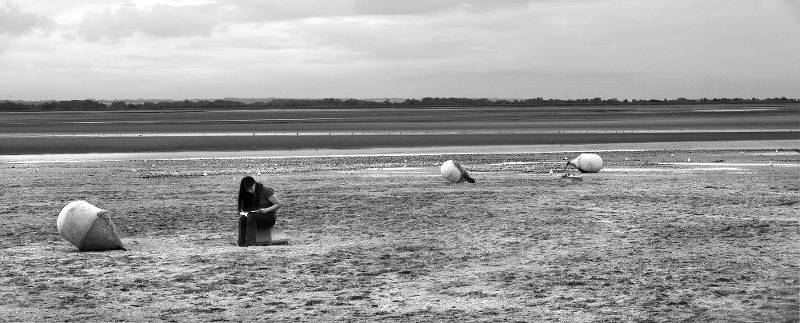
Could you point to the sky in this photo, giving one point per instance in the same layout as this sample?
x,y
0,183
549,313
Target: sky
x,y
560,49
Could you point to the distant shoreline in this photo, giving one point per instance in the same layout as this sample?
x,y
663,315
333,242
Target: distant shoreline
x,y
401,142
400,130
782,145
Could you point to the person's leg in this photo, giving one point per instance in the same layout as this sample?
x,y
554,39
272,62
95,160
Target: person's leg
x,y
265,224
242,230
256,222
269,220
252,223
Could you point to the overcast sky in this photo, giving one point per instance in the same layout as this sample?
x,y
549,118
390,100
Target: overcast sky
x,y
567,49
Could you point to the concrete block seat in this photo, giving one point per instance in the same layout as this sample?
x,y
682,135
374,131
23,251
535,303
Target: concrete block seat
x,y
271,236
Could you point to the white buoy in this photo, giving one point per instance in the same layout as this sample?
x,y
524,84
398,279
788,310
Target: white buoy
x,y
587,163
455,173
87,227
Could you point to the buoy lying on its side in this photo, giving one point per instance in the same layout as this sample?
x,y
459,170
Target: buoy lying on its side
x,y
586,163
88,227
455,173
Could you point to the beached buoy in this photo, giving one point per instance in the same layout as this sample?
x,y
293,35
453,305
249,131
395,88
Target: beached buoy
x,y
455,173
587,163
88,227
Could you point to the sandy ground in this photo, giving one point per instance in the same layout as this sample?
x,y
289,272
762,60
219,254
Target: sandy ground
x,y
691,234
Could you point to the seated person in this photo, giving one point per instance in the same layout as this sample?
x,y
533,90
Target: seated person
x,y
257,206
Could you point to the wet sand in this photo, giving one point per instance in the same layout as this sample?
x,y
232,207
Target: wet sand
x,y
422,128
80,144
780,145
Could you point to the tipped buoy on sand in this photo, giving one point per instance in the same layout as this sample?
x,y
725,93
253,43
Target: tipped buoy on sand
x,y
455,173
587,163
88,227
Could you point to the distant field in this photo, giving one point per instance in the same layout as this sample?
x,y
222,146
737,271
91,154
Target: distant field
x,y
280,129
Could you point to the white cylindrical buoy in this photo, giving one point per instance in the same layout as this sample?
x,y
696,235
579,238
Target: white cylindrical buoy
x,y
587,163
455,173
87,227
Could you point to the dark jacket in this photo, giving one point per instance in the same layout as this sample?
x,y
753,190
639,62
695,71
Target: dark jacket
x,y
259,200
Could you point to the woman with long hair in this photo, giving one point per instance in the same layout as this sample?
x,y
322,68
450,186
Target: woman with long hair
x,y
257,206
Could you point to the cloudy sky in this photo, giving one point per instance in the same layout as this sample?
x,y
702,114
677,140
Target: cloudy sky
x,y
566,49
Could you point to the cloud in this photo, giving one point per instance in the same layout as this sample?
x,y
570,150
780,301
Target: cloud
x,y
409,7
17,23
561,48
199,20
258,11
794,7
159,21
202,19
389,37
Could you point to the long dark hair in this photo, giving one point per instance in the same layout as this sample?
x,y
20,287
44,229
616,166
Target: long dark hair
x,y
245,199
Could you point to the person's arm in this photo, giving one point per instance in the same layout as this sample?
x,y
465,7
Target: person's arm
x,y
241,210
275,205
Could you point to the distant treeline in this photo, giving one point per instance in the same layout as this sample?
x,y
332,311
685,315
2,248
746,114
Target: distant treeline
x,y
81,105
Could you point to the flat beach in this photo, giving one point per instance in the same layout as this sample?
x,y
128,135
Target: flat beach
x,y
702,230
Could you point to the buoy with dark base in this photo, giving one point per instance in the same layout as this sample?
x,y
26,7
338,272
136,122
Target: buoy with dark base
x,y
88,227
586,163
571,178
455,173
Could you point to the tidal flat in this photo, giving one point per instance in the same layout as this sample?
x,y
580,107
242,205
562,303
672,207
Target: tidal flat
x,y
658,235
694,216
